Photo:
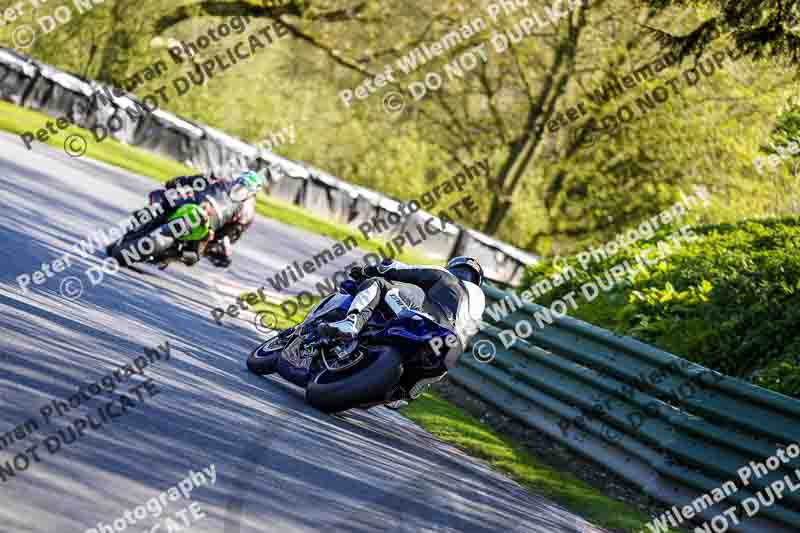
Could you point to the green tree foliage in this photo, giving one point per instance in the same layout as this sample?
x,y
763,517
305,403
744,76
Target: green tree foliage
x,y
762,29
729,300
784,145
549,192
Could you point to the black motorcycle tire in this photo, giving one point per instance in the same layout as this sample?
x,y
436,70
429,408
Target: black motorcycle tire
x,y
264,359
131,243
144,229
368,382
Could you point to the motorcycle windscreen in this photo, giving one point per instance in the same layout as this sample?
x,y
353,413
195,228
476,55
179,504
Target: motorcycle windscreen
x,y
336,301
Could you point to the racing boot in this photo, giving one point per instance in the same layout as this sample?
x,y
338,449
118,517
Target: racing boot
x,y
358,314
170,256
348,328
415,392
420,386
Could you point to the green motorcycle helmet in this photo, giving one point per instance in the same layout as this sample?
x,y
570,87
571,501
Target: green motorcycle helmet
x,y
246,184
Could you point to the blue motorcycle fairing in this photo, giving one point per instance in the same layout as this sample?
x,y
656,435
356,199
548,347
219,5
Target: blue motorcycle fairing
x,y
414,327
409,327
292,374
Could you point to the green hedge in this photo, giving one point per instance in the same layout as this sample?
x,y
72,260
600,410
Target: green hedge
x,y
729,300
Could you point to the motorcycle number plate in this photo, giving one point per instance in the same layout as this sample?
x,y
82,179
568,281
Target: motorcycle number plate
x,y
294,356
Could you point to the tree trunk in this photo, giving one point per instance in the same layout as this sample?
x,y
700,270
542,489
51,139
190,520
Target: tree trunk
x,y
114,58
497,213
540,110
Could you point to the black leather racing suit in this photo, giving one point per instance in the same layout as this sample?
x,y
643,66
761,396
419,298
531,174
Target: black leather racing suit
x,y
453,303
227,217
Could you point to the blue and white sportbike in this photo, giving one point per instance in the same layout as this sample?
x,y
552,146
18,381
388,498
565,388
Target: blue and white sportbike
x,y
378,367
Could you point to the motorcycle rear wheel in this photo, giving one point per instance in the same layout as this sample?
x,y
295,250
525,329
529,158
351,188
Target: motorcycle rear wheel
x,y
370,381
133,244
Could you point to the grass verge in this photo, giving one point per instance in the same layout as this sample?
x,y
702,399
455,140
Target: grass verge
x,y
297,216
18,120
438,417
280,321
454,426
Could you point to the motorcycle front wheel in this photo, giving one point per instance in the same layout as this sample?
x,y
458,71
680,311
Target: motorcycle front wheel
x,y
264,359
370,381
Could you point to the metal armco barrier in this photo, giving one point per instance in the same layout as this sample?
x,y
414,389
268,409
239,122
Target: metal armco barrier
x,y
31,84
676,429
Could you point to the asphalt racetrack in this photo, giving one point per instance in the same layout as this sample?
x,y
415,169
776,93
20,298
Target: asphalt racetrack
x,y
280,466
